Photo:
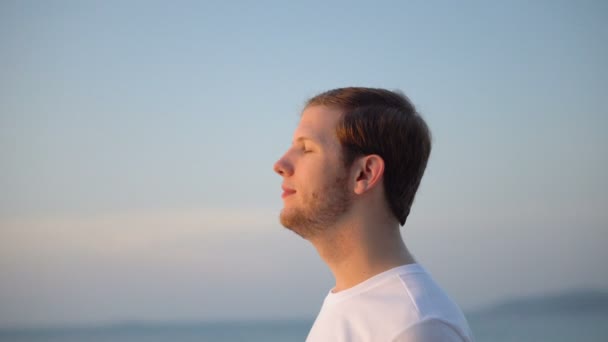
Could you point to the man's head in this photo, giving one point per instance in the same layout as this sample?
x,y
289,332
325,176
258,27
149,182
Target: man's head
x,y
338,129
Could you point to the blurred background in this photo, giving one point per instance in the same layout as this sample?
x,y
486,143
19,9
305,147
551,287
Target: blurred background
x,y
137,140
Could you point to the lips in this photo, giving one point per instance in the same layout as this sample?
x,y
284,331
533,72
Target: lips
x,y
287,192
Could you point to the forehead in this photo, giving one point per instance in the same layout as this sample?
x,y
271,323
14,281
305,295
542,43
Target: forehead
x,y
318,123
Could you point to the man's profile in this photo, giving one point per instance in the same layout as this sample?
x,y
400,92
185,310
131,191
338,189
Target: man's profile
x,y
349,181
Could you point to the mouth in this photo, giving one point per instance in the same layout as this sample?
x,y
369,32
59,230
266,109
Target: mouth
x,y
287,192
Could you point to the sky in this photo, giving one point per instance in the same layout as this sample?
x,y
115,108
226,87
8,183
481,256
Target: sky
x,y
137,140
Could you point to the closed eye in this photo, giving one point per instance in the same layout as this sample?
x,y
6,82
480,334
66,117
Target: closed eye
x,y
306,149
304,145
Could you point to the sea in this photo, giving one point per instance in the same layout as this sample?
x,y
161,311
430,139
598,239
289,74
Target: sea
x,y
589,327
578,316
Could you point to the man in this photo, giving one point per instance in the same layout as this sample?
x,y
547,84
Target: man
x,y
349,180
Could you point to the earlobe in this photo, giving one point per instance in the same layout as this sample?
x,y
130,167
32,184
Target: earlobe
x,y
370,170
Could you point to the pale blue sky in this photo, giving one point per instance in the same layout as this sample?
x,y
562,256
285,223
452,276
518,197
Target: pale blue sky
x,y
137,140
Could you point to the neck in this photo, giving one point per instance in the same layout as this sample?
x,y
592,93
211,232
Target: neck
x,y
358,251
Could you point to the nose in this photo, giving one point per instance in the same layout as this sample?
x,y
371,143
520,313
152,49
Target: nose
x,y
283,167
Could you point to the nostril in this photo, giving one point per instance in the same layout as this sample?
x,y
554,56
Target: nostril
x,y
278,168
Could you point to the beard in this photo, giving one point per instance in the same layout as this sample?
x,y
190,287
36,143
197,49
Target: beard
x,y
320,211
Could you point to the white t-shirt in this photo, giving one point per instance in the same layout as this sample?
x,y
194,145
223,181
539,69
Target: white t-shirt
x,y
403,304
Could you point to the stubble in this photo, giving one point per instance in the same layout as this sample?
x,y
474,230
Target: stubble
x,y
320,211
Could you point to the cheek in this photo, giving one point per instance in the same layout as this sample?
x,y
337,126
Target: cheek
x,y
309,166
310,180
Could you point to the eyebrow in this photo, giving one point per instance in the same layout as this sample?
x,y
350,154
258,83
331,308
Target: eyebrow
x,y
304,138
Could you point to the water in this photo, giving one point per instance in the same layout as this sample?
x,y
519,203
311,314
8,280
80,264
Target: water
x,y
559,327
591,327
221,332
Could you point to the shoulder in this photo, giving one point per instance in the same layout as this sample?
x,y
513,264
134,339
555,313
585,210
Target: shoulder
x,y
430,330
440,318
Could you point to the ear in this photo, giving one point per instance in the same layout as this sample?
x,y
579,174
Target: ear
x,y
368,173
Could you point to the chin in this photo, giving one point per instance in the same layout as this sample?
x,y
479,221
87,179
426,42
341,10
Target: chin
x,y
287,217
293,220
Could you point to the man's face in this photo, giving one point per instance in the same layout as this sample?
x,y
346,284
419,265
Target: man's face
x,y
315,187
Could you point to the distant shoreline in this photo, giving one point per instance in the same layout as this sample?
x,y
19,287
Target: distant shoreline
x,y
567,302
573,301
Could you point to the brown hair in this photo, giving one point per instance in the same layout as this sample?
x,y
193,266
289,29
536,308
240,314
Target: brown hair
x,y
385,123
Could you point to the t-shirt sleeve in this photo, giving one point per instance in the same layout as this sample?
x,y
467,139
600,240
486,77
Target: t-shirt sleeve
x,y
431,330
